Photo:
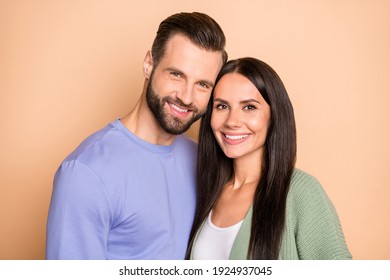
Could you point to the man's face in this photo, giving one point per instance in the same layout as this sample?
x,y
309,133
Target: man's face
x,y
180,85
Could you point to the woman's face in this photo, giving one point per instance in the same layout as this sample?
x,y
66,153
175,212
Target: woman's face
x,y
240,117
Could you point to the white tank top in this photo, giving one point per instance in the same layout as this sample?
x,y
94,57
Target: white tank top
x,y
215,243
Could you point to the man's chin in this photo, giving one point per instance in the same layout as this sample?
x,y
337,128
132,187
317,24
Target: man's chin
x,y
176,129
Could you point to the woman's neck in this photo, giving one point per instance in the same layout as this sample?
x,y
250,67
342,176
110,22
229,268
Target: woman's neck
x,y
246,170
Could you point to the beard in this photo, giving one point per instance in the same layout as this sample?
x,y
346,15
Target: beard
x,y
169,123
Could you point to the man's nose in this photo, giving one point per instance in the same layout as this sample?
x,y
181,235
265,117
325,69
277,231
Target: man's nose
x,y
186,94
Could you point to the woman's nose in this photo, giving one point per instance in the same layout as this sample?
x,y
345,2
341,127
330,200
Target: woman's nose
x,y
234,119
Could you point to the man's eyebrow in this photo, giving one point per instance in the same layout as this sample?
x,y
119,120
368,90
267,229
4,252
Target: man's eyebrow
x,y
172,69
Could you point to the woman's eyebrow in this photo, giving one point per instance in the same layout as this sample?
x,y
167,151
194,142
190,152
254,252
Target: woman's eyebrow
x,y
250,101
220,100
246,101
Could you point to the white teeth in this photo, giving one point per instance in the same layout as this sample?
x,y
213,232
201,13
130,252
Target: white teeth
x,y
177,108
236,137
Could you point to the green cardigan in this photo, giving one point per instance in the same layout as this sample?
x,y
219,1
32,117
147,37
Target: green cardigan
x,y
312,228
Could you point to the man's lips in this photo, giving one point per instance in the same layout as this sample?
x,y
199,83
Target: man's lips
x,y
178,108
179,111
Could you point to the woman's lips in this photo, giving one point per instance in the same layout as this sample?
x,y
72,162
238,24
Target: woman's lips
x,y
234,139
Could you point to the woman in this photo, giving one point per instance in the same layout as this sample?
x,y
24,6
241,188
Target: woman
x,y
252,202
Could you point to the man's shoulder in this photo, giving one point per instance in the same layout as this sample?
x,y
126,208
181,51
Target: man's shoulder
x,y
110,145
87,149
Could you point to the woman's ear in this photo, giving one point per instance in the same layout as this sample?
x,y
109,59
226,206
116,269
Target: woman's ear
x,y
148,65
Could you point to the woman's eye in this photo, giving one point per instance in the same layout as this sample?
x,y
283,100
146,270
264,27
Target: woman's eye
x,y
221,107
249,107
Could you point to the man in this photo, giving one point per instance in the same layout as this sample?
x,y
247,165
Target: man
x,y
128,191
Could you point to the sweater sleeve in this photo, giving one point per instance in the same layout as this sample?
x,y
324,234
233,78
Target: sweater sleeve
x,y
318,232
79,215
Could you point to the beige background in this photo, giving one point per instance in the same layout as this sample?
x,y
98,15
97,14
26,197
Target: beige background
x,y
67,68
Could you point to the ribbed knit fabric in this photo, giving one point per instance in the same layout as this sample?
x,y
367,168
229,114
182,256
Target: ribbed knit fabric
x,y
312,227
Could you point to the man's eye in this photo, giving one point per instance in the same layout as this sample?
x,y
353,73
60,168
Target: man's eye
x,y
204,85
176,74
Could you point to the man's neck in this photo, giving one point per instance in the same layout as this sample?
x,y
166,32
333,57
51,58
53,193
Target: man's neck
x,y
142,123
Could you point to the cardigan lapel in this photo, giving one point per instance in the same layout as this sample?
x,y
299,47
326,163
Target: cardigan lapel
x,y
241,243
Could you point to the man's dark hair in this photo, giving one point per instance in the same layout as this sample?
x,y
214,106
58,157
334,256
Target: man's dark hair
x,y
199,28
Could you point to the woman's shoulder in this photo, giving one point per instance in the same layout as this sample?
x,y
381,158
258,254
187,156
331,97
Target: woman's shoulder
x,y
302,178
312,220
303,183
306,191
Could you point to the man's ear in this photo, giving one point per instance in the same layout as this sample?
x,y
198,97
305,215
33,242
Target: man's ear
x,y
148,65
